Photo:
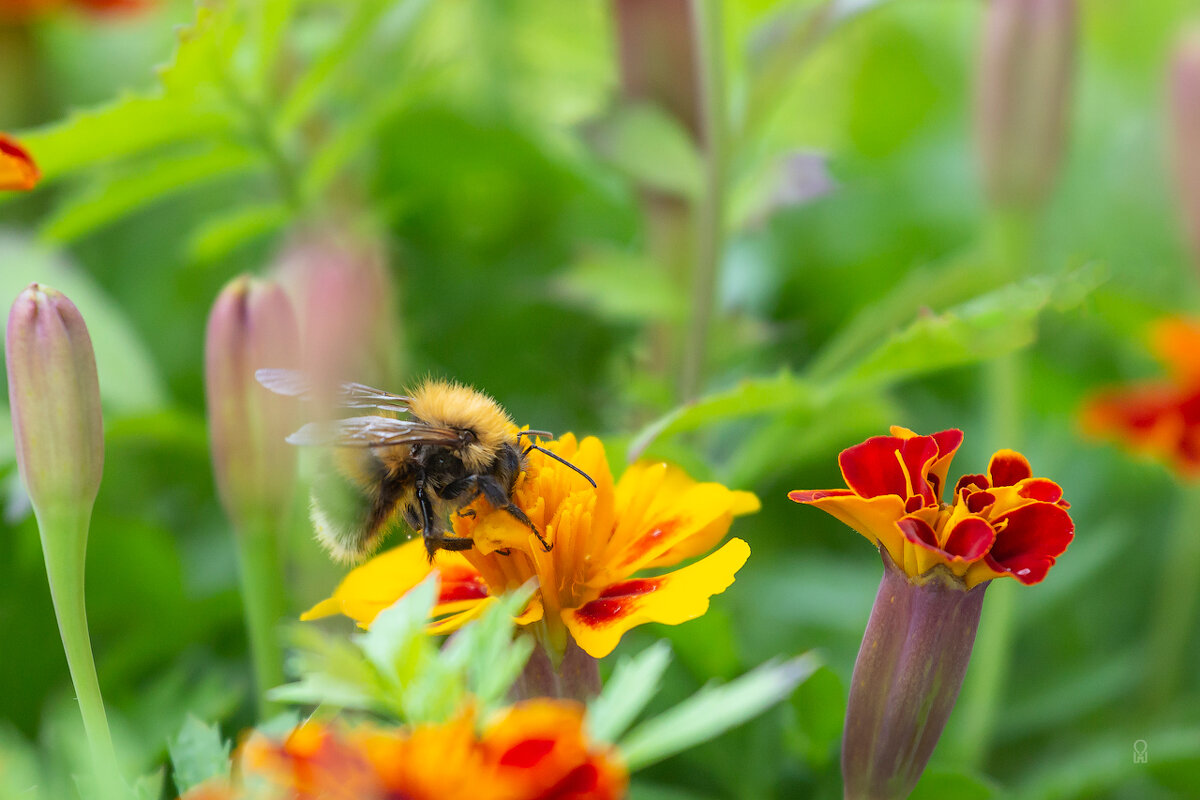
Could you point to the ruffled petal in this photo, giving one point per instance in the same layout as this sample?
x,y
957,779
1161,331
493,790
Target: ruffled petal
x,y
673,598
1008,468
890,465
875,518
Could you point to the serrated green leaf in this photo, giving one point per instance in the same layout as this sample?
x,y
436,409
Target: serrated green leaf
x,y
713,710
112,197
651,147
633,683
397,638
198,752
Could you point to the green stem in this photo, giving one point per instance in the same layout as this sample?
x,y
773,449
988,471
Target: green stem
x,y
64,545
708,216
264,602
1175,611
1011,241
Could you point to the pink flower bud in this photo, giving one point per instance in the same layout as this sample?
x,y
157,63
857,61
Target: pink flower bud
x,y
251,327
1023,95
54,394
1185,129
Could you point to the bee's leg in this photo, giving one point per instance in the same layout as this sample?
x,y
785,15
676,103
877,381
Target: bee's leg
x,y
519,515
450,543
433,537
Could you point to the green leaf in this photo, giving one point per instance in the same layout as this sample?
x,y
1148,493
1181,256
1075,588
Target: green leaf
x,y
713,710
622,288
819,706
198,753
221,234
112,197
651,147
938,785
633,683
396,643
190,104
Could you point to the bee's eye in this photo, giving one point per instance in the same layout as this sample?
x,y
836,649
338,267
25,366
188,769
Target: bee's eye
x,y
443,462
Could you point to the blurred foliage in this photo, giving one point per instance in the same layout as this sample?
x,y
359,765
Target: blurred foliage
x,y
485,145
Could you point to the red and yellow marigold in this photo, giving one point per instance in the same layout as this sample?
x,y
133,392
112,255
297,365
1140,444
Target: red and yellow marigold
x,y
1160,418
602,537
535,750
1004,523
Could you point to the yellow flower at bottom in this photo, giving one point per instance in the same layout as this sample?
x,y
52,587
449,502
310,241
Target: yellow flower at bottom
x,y
655,516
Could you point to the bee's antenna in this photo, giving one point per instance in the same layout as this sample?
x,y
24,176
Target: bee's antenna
x,y
562,460
535,434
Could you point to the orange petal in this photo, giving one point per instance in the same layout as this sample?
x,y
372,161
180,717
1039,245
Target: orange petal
x,y
875,518
1176,341
17,170
673,598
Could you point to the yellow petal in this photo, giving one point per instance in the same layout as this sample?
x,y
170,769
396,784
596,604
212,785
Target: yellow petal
x,y
875,518
670,599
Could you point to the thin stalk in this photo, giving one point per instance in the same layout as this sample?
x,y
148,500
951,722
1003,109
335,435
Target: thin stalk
x,y
65,563
708,215
1010,238
263,600
1175,609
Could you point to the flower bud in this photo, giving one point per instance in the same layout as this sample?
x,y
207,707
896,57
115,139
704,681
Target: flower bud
x,y
1184,91
54,394
251,327
909,669
1022,98
343,295
17,170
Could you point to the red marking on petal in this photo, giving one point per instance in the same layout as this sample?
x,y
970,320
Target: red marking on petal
x,y
918,531
978,501
1036,529
970,539
1042,489
811,495
1008,468
644,543
579,783
527,754
616,601
461,583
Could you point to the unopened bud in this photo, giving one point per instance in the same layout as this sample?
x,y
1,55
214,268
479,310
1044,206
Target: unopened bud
x,y
54,395
912,662
1185,132
1023,96
251,327
17,170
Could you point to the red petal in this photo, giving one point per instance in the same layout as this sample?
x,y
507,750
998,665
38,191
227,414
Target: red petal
x,y
968,481
1028,569
17,170
1042,489
917,531
615,601
978,501
1008,468
1036,529
948,441
970,539
873,468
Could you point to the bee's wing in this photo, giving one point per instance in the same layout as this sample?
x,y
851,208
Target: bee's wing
x,y
294,383
370,431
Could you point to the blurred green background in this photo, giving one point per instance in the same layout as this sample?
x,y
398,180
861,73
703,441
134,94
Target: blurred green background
x,y
484,147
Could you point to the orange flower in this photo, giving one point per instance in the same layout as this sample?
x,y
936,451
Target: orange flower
x,y
1004,523
1160,418
18,10
535,751
17,170
655,516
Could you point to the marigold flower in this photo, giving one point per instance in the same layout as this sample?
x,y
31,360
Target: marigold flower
x,y
1159,418
655,516
1006,522
537,749
938,559
18,172
18,10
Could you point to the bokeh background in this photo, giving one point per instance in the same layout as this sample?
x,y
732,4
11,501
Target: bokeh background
x,y
527,220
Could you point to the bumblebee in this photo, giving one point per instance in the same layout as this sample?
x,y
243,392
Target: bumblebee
x,y
420,456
